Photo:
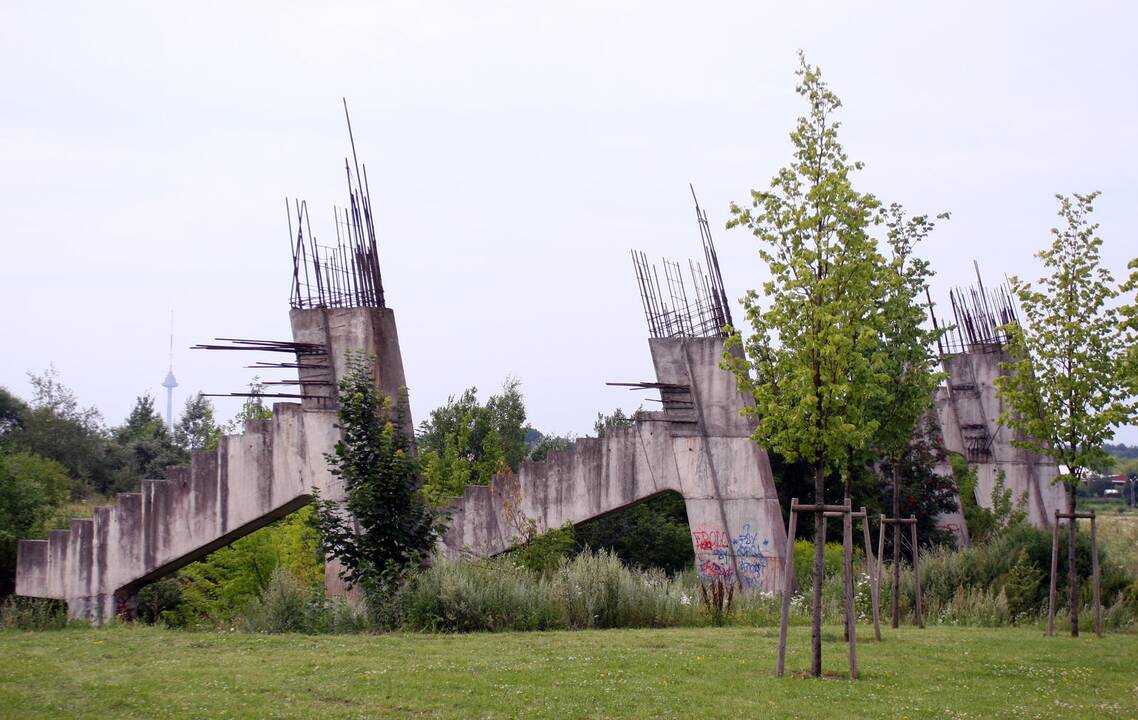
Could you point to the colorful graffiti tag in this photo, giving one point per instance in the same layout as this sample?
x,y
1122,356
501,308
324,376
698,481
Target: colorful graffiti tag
x,y
714,551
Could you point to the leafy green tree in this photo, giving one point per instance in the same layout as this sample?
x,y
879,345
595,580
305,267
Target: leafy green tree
x,y
915,488
809,364
252,409
385,528
650,534
467,443
1065,389
908,365
197,429
146,445
615,419
217,588
13,410
1129,314
55,426
548,443
32,489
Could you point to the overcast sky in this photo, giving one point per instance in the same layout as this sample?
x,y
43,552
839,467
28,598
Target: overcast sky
x,y
515,152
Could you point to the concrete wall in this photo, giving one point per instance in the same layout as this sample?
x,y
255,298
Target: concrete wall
x,y
252,479
968,411
698,446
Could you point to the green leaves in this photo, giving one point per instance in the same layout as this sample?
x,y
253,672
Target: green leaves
x,y
1067,385
385,527
809,364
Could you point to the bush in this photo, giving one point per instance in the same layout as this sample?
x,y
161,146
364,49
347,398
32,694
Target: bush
x,y
289,606
27,613
1024,588
591,590
804,561
543,552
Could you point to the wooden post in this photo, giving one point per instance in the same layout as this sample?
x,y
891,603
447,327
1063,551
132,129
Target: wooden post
x,y
916,571
1054,572
1095,573
851,616
871,567
881,550
788,574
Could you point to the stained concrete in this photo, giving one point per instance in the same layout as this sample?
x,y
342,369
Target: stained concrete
x,y
698,446
968,410
252,479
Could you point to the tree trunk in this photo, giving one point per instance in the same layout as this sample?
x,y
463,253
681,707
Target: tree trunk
x,y
819,568
896,545
1072,570
845,579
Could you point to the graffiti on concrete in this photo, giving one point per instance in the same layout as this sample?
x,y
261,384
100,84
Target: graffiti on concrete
x,y
714,550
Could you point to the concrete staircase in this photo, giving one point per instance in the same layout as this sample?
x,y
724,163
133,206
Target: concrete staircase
x,y
251,480
699,447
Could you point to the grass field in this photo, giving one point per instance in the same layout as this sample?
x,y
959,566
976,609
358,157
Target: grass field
x,y
951,672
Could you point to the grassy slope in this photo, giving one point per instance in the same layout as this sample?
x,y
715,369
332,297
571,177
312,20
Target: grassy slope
x,y
705,673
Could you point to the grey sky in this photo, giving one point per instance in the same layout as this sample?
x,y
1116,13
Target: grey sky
x,y
515,152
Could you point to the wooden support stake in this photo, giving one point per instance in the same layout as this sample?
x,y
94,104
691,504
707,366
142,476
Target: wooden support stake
x,y
1054,573
881,550
871,568
917,572
788,574
1095,573
851,617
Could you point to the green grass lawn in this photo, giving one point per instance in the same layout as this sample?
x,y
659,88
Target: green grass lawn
x,y
703,673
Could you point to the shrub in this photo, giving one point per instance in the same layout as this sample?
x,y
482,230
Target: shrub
x,y
543,552
287,605
27,613
1024,588
804,561
591,590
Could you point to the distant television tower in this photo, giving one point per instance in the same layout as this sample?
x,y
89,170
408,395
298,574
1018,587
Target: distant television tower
x,y
170,382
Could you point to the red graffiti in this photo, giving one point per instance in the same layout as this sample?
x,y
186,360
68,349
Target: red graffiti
x,y
706,540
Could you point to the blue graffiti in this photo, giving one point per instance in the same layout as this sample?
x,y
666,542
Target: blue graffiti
x,y
712,548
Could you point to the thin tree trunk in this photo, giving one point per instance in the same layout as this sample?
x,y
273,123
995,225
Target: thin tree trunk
x,y
896,545
819,567
1072,571
846,500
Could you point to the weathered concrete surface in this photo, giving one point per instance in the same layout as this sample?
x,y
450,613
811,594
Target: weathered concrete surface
x,y
968,411
698,446
251,480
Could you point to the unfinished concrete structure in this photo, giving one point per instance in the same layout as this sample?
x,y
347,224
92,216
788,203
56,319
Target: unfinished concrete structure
x,y
968,411
698,445
250,480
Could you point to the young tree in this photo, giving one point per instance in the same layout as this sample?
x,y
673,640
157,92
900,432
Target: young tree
x,y
252,409
810,363
1063,387
55,426
197,429
905,359
32,488
145,445
467,443
387,527
615,419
